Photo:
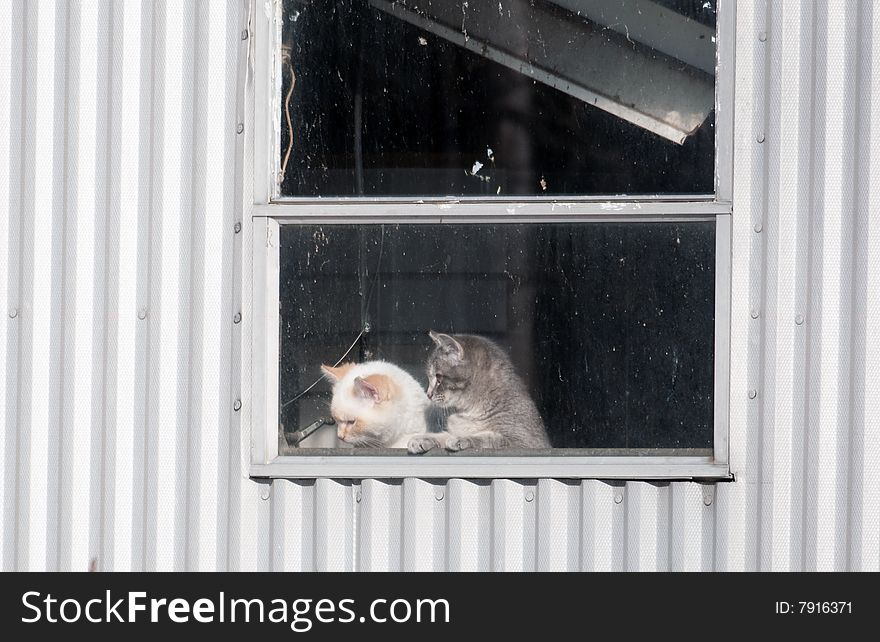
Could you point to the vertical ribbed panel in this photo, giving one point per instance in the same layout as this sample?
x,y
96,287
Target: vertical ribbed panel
x,y
865,342
7,255
121,176
117,173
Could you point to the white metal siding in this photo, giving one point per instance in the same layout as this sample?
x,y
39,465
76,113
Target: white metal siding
x,y
118,164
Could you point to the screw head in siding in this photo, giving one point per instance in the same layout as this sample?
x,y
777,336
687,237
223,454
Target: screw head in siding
x,y
239,128
264,490
438,495
530,496
799,319
358,496
753,393
237,227
758,227
13,312
237,318
236,405
618,498
762,36
142,314
368,328
754,313
244,34
760,138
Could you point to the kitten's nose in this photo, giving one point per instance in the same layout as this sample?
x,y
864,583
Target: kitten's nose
x,y
430,392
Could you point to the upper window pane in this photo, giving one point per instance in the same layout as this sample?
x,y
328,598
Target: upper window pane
x,y
500,98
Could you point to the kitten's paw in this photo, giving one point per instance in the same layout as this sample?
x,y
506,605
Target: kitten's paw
x,y
419,445
454,444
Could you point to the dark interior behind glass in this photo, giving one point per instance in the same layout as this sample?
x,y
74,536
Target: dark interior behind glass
x,y
610,324
442,97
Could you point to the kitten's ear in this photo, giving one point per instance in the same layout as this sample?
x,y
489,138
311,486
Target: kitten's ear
x,y
335,374
447,344
367,390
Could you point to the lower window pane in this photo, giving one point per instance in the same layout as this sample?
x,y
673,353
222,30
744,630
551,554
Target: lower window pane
x,y
609,325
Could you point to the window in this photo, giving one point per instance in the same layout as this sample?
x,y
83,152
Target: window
x,y
549,176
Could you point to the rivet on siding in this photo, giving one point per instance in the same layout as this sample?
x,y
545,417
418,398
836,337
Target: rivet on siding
x,y
142,314
357,496
758,227
240,128
530,496
755,314
438,495
244,34
760,138
13,312
236,405
753,393
237,318
264,490
799,319
237,227
762,36
618,498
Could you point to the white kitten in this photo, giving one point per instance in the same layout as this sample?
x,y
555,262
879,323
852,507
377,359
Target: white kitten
x,y
376,404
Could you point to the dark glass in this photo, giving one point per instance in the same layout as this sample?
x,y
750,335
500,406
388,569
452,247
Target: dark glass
x,y
610,325
496,98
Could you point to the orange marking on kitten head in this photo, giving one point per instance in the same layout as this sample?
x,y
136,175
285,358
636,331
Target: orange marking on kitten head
x,y
377,387
336,373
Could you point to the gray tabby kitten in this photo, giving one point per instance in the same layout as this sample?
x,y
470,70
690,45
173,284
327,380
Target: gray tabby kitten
x,y
473,381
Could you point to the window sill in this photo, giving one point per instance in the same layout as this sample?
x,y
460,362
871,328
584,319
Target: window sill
x,y
571,465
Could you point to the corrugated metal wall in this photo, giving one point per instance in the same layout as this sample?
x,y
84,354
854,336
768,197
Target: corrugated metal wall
x,y
118,285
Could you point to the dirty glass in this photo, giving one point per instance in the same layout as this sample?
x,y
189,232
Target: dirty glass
x,y
502,98
610,325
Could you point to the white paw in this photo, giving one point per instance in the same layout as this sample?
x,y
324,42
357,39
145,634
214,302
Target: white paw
x,y
419,445
454,444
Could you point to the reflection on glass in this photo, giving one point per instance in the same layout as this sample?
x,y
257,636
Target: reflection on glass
x,y
609,325
507,98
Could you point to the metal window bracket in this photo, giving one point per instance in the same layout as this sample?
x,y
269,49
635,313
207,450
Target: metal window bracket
x,y
708,494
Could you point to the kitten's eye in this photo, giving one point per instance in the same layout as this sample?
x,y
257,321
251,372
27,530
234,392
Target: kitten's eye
x,y
439,378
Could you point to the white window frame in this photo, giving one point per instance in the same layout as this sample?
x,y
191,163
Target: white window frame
x,y
268,212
